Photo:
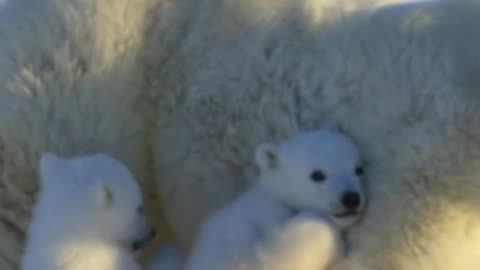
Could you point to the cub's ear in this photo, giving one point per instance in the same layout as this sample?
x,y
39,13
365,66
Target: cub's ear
x,y
101,194
49,167
266,156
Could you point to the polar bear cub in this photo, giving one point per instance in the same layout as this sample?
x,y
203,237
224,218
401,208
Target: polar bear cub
x,y
317,172
89,215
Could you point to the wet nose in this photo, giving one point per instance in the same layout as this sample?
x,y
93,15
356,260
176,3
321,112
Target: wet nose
x,y
351,200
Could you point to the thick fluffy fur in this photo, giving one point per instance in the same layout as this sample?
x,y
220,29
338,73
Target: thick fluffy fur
x,y
296,245
89,215
222,76
286,184
402,80
69,83
304,242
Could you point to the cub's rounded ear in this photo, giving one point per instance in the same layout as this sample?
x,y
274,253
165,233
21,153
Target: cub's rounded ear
x,y
49,167
101,194
266,156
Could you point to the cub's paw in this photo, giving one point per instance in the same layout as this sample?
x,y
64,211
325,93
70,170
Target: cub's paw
x,y
310,229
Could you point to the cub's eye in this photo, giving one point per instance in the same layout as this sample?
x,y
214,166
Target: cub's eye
x,y
318,176
359,171
140,209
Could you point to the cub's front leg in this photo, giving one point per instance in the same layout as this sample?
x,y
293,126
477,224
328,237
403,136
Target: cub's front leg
x,y
306,242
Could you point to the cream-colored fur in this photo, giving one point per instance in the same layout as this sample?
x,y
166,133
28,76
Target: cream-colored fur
x,y
402,80
220,76
69,83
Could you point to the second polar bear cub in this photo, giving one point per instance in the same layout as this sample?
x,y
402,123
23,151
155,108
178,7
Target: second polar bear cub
x,y
89,215
318,172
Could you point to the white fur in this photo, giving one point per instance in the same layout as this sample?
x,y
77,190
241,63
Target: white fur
x,y
304,242
284,187
196,90
87,216
69,71
401,80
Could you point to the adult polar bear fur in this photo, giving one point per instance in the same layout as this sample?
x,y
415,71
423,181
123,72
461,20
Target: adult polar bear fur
x,y
401,80
69,80
205,81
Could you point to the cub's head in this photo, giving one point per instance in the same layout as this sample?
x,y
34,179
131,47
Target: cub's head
x,y
318,171
94,197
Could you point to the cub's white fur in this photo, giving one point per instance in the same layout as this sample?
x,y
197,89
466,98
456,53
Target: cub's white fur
x,y
89,215
314,172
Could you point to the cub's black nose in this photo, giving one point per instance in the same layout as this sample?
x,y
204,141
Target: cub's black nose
x,y
351,200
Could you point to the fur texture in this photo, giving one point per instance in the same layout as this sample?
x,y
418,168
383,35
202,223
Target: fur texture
x,y
304,242
69,83
221,76
402,80
89,215
309,172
